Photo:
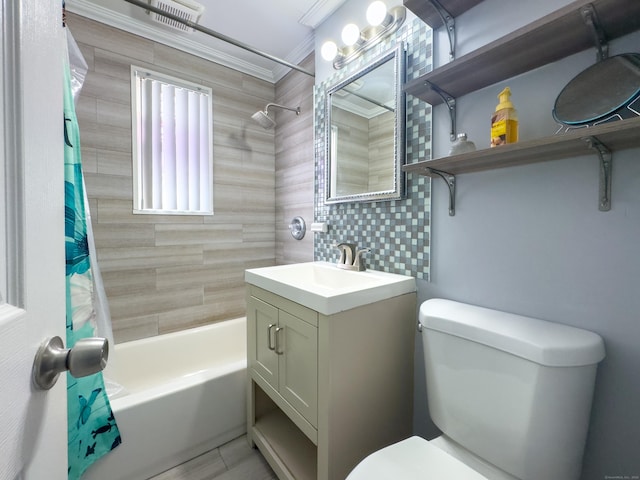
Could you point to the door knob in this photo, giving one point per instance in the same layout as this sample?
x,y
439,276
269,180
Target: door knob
x,y
88,356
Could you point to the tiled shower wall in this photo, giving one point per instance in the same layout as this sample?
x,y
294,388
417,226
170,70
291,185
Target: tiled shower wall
x,y
398,232
164,272
294,164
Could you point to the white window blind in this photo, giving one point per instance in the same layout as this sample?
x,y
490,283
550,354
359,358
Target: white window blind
x,y
172,145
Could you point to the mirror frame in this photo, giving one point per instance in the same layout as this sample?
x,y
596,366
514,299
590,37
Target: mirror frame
x,y
398,56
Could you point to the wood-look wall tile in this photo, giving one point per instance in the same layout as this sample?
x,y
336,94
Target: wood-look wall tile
x,y
135,258
190,317
114,113
194,234
295,165
153,303
116,65
258,88
229,302
86,110
111,162
124,236
106,137
159,269
238,253
89,158
109,38
257,232
197,68
134,328
127,282
104,86
121,211
87,52
109,186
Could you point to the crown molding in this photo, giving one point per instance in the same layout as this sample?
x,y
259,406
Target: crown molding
x,y
296,56
319,12
166,37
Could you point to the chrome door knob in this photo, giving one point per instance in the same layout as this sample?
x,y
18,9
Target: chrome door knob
x,y
88,356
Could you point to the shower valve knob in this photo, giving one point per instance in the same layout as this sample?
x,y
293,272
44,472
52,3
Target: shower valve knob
x,y
88,356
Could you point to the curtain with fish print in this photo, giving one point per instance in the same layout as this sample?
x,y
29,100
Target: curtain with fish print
x,y
92,428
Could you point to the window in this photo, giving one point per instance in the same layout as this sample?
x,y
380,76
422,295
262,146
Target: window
x,y
172,145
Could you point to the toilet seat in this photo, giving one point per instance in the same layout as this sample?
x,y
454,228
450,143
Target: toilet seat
x,y
412,459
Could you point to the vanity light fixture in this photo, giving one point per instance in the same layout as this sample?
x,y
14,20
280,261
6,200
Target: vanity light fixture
x,y
382,23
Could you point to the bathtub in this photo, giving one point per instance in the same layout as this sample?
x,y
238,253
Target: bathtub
x,y
183,394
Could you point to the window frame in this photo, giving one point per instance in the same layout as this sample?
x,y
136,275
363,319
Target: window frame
x,y
137,75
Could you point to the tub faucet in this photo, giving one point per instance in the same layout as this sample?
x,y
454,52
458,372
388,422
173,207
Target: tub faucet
x,y
351,257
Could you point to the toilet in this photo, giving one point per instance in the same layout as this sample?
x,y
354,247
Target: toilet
x,y
511,395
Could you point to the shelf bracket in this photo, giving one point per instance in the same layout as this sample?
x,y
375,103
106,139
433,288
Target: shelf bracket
x,y
450,102
449,21
604,198
590,17
450,180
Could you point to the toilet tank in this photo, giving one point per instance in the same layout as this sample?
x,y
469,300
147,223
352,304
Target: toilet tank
x,y
515,391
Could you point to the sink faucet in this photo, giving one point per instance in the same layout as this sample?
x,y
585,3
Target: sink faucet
x,y
351,257
359,263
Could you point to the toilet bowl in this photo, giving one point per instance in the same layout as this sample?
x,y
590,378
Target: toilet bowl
x,y
511,394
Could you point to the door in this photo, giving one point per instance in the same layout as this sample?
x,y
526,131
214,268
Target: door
x,y
262,320
298,365
33,423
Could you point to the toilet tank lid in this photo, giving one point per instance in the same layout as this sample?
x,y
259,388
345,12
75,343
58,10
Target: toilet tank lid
x,y
540,341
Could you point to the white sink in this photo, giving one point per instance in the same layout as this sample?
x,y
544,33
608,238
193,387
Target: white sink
x,y
328,289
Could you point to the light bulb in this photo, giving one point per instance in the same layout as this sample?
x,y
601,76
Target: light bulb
x,y
376,13
329,50
350,34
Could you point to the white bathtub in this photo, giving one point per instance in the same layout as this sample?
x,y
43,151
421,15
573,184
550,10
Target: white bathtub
x,y
184,395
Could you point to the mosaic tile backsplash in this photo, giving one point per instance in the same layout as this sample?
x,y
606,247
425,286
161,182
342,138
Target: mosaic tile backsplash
x,y
398,231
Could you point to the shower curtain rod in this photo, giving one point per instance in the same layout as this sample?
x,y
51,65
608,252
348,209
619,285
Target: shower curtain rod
x,y
219,36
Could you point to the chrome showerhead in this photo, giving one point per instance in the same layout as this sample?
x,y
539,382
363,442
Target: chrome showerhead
x,y
263,118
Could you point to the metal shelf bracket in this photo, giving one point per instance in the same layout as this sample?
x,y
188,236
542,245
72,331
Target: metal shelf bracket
x,y
450,102
604,198
590,17
450,180
450,23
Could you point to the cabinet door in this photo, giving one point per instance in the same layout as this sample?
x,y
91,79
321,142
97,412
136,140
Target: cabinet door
x,y
262,321
298,365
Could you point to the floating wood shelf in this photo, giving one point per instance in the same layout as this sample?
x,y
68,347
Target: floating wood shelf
x,y
601,139
618,135
551,38
425,10
571,29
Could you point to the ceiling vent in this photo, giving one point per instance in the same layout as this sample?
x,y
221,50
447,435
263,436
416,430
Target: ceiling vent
x,y
186,9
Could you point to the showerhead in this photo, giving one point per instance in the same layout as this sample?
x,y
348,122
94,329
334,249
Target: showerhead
x,y
263,118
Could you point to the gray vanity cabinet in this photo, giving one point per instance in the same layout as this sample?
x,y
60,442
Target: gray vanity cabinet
x,y
324,391
284,354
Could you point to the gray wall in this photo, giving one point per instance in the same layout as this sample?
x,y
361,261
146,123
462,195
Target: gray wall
x,y
531,240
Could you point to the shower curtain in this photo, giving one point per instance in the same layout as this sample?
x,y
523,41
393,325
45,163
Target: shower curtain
x,y
92,428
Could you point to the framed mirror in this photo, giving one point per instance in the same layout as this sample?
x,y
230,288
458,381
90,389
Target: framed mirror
x,y
365,130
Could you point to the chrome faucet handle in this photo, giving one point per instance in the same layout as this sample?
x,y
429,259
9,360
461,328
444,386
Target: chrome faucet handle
x,y
359,262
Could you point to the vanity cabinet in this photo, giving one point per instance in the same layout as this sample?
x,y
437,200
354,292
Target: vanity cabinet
x,y
324,391
284,353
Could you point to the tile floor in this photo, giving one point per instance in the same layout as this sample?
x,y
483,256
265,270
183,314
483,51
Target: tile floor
x,y
232,461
